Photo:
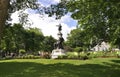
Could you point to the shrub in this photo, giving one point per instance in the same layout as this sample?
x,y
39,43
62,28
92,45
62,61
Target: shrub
x,y
28,57
46,56
62,57
96,54
83,55
72,55
22,51
118,54
78,49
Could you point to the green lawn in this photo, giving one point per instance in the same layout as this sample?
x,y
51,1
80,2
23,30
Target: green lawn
x,y
99,67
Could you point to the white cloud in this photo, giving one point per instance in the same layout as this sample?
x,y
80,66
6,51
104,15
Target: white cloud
x,y
15,18
48,25
56,1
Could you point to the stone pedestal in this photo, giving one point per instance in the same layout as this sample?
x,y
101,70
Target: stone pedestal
x,y
57,52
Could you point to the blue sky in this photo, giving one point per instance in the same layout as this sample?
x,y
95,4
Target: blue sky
x,y
48,2
48,24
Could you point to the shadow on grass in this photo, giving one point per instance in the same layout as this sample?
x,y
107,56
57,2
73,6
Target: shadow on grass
x,y
116,61
30,69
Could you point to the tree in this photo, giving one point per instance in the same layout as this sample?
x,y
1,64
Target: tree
x,y
12,39
9,6
48,44
33,40
78,38
16,38
6,42
99,19
3,14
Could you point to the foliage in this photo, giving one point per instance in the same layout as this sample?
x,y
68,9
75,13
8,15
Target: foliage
x,y
79,38
17,39
67,48
103,54
28,57
48,43
118,54
10,6
57,10
62,57
22,51
90,55
72,55
97,20
78,49
34,39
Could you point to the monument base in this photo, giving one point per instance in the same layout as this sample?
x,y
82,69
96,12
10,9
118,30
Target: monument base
x,y
57,52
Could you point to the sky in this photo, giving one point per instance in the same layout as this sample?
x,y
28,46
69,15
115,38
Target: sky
x,y
48,24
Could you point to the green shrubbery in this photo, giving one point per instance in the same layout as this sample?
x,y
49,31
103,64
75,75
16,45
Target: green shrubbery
x,y
22,51
28,57
78,49
89,55
72,55
118,54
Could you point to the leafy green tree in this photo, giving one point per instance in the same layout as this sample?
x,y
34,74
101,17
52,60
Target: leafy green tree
x,y
6,42
33,40
12,38
48,44
78,38
7,7
18,38
99,19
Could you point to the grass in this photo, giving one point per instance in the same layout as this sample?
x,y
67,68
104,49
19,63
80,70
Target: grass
x,y
98,67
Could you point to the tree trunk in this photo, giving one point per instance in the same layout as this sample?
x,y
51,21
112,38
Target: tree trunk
x,y
3,14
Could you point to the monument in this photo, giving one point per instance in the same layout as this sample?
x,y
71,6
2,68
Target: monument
x,y
58,46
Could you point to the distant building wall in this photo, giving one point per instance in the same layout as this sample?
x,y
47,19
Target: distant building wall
x,y
101,47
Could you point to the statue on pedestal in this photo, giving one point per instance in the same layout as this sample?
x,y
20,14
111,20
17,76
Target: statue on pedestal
x,y
58,46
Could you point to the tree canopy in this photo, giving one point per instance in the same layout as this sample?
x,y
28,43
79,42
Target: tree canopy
x,y
99,19
7,7
16,38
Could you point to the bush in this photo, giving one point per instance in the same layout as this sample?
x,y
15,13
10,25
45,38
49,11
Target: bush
x,y
62,57
22,51
78,49
46,56
72,55
96,54
83,55
89,55
28,57
118,54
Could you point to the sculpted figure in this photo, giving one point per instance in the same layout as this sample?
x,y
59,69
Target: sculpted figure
x,y
58,44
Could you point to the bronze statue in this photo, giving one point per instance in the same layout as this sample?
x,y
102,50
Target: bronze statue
x,y
59,27
58,44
